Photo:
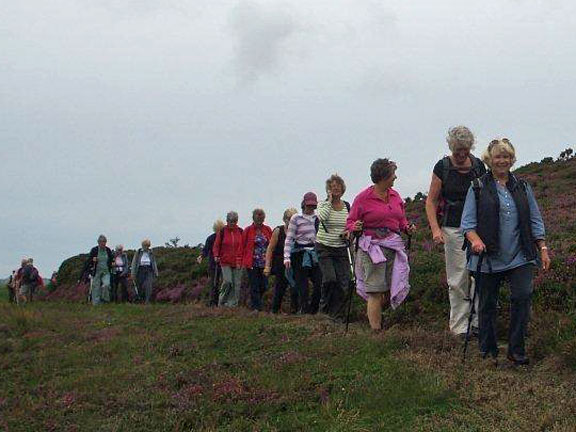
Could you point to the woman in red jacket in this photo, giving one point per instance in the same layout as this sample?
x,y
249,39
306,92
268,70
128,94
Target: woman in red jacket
x,y
227,252
255,241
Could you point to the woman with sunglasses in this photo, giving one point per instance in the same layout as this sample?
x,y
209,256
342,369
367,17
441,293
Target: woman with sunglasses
x,y
451,179
502,222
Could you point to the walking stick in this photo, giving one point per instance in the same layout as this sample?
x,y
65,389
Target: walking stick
x,y
352,283
89,296
136,293
473,305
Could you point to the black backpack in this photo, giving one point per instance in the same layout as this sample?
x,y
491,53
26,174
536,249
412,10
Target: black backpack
x,y
30,275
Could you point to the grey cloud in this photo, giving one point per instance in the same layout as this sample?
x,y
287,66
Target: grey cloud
x,y
260,32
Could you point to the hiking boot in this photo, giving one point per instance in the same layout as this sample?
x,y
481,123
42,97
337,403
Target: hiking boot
x,y
518,360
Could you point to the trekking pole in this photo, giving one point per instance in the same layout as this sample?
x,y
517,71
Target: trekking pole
x,y
473,305
89,296
352,287
136,293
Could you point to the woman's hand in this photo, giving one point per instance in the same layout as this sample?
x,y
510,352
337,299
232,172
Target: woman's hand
x,y
545,259
267,271
287,264
478,246
358,226
411,229
438,236
199,259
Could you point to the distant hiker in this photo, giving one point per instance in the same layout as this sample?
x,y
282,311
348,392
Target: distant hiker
x,y
120,275
501,219
300,254
275,265
99,267
255,239
451,178
227,252
332,245
28,280
145,270
11,285
382,269
213,268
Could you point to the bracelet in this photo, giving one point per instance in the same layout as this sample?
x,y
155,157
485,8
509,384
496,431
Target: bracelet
x,y
544,248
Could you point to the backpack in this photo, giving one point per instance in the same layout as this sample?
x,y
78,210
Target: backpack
x,y
443,204
318,222
30,275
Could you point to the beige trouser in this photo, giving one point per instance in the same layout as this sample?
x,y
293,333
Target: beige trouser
x,y
460,284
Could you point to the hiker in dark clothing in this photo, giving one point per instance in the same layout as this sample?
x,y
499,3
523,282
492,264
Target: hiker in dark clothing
x,y
213,268
11,285
451,178
28,280
98,267
501,220
120,275
275,265
145,270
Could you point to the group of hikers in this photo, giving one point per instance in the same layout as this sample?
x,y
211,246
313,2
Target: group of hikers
x,y
23,283
487,220
109,273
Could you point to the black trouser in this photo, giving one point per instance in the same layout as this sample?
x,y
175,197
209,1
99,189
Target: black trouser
x,y
119,281
335,268
280,285
520,299
215,277
301,276
258,285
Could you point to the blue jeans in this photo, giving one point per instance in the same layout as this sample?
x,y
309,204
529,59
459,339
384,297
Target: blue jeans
x,y
520,279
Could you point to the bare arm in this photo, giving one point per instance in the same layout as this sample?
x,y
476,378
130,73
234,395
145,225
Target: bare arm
x,y
431,206
270,251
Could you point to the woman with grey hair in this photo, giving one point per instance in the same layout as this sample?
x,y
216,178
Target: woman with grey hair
x,y
227,253
120,274
451,178
145,270
98,267
503,224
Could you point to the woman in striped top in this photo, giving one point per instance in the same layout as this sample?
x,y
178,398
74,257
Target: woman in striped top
x,y
331,245
300,255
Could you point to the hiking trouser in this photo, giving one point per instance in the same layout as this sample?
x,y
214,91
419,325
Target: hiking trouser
x,y
335,269
119,282
145,282
520,279
258,285
101,287
301,277
460,284
230,288
213,289
12,294
280,285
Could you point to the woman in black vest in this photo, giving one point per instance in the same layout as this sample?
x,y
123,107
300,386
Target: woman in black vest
x,y
275,264
502,222
451,179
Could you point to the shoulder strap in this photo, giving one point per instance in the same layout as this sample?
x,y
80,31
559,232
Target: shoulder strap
x,y
317,224
476,164
445,169
477,186
347,204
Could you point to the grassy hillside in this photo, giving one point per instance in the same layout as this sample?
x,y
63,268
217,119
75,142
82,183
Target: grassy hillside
x,y
68,367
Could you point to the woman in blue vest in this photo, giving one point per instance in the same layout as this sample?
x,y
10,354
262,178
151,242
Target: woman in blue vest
x,y
502,222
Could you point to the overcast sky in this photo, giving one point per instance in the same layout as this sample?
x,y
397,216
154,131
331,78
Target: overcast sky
x,y
143,118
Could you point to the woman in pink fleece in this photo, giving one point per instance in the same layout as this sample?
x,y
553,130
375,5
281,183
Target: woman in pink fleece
x,y
381,263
